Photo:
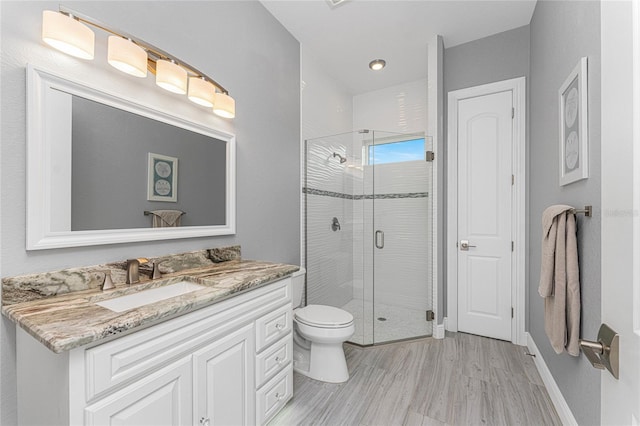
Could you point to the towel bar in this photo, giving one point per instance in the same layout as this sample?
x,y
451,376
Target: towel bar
x,y
147,213
588,211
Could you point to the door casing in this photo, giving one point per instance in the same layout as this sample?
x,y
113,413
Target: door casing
x,y
518,87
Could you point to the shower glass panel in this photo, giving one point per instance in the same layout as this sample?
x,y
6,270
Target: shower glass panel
x,y
368,231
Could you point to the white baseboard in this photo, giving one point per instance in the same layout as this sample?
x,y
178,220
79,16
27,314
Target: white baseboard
x,y
564,412
438,331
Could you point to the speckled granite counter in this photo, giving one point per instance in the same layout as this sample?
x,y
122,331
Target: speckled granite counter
x,y
66,321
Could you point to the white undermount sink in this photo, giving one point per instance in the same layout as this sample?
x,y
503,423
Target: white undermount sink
x,y
146,297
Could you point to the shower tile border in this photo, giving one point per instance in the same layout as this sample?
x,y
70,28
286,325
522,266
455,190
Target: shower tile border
x,y
332,194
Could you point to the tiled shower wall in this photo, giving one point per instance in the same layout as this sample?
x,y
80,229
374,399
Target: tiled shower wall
x,y
328,253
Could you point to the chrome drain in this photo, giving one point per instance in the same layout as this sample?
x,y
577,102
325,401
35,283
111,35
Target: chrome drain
x,y
382,319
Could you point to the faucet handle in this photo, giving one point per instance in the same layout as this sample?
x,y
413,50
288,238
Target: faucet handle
x,y
107,284
156,271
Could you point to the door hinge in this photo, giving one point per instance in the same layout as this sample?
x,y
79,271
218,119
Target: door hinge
x,y
430,156
430,315
512,245
513,112
511,312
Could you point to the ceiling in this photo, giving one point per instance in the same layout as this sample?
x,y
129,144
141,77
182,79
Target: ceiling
x,y
343,39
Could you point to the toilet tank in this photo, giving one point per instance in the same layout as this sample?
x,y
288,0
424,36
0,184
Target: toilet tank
x,y
297,284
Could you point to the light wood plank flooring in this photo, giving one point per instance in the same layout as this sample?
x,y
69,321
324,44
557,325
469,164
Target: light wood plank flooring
x,y
460,380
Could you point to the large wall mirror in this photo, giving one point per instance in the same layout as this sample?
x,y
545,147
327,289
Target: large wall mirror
x,y
98,164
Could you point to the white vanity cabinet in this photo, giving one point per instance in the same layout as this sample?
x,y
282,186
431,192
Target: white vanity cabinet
x,y
227,364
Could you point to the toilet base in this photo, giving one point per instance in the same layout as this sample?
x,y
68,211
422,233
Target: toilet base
x,y
323,362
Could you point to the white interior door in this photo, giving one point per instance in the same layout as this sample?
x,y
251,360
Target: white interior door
x,y
485,139
621,206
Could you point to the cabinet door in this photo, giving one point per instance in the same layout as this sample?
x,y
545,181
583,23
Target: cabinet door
x,y
224,380
162,398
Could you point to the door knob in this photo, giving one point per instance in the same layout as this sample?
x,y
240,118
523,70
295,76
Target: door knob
x,y
464,245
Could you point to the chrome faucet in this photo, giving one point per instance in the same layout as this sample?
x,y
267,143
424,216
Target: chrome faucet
x,y
133,270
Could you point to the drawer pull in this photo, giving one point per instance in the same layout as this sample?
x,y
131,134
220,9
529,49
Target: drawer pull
x,y
279,397
279,360
204,422
279,326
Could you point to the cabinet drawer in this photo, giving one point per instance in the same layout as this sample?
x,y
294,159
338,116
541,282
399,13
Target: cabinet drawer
x,y
273,327
274,359
274,395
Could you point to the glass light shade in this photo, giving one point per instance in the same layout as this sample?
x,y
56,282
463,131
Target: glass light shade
x,y
201,92
127,56
224,106
171,76
64,33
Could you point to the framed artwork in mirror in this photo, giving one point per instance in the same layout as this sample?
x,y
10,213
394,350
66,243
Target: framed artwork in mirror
x,y
162,181
574,137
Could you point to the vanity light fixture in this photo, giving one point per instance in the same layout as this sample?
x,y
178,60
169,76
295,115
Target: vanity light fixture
x,y
68,32
377,64
171,76
224,106
126,56
201,91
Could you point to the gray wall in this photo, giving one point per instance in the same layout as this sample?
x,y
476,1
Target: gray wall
x,y
498,57
238,43
561,33
110,150
502,56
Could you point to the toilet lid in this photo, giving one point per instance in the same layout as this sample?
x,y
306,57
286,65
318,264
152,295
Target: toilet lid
x,y
325,316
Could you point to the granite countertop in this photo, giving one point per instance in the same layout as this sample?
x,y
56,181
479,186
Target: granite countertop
x,y
67,321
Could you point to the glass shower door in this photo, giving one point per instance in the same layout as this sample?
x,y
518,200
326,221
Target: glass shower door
x,y
399,180
368,224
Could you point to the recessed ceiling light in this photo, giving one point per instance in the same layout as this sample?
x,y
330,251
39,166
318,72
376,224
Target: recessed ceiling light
x,y
377,64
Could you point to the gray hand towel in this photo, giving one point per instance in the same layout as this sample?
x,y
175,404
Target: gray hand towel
x,y
166,218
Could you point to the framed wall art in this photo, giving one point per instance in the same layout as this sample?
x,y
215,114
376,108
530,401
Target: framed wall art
x,y
162,181
574,129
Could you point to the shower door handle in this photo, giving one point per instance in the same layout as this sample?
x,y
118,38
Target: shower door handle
x,y
379,239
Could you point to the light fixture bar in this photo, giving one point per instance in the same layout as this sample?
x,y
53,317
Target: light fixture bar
x,y
155,53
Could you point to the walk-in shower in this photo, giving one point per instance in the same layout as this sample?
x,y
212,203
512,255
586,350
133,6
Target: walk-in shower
x,y
368,231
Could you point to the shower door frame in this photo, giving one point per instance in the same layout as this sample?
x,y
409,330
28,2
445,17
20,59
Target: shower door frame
x,y
395,137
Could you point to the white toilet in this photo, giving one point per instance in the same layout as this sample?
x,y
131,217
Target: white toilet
x,y
318,334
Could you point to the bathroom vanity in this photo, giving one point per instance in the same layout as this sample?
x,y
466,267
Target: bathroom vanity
x,y
221,354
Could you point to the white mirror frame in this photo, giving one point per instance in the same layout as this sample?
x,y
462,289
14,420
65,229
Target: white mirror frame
x,y
44,180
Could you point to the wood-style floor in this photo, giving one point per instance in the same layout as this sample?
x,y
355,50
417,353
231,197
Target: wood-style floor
x,y
460,380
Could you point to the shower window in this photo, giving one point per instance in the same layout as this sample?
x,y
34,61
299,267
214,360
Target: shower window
x,y
396,151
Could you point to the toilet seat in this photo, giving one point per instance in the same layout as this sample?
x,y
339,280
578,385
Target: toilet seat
x,y
323,316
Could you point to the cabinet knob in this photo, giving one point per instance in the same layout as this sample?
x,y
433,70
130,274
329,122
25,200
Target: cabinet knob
x,y
205,422
279,326
279,360
278,396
